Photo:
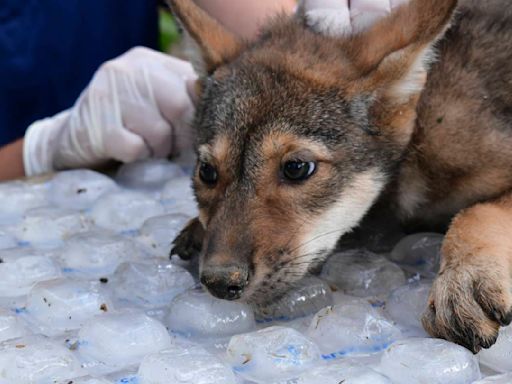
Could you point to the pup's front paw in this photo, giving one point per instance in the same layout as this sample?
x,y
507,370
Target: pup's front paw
x,y
468,304
189,242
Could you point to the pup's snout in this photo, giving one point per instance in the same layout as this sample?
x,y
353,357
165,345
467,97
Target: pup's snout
x,y
225,281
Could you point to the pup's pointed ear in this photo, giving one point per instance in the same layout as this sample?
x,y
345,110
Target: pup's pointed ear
x,y
413,26
391,60
212,44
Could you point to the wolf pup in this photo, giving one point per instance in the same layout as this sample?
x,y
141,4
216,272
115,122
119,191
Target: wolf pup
x,y
298,134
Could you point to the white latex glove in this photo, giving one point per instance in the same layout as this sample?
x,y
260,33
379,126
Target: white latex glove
x,y
345,17
136,106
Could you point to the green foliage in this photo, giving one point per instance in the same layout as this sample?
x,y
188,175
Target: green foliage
x,y
168,31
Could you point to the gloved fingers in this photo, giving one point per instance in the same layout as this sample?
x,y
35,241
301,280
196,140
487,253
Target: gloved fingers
x,y
153,83
145,121
125,146
171,96
330,17
343,17
140,56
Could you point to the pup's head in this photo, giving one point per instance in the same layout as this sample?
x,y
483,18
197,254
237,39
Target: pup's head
x,y
297,134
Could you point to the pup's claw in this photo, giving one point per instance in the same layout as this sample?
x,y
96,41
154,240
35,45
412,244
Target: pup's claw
x,y
467,307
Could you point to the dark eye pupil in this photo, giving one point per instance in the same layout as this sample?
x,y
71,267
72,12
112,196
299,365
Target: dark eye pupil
x,y
207,173
298,170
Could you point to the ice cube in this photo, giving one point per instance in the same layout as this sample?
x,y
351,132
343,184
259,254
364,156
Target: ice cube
x,y
178,197
78,189
505,378
362,273
307,298
157,233
91,380
336,372
419,253
197,314
18,197
149,174
10,326
115,341
58,306
150,284
185,365
272,354
7,240
96,254
499,356
22,268
350,329
124,211
37,361
178,189
433,361
48,227
124,377
406,304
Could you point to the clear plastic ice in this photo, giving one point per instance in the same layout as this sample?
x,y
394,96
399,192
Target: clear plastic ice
x,y
150,284
22,268
88,295
505,378
149,174
178,197
499,356
157,233
18,197
185,364
306,298
96,254
115,341
7,240
124,211
274,353
58,306
350,329
197,314
419,253
11,326
49,227
407,303
433,361
340,372
36,360
362,273
78,189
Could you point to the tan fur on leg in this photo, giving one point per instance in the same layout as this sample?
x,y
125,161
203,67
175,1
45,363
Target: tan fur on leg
x,y
472,297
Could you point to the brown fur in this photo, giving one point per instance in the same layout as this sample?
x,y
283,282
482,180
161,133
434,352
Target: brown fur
x,y
363,109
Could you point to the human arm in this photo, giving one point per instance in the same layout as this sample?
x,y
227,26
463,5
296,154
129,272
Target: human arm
x,y
11,160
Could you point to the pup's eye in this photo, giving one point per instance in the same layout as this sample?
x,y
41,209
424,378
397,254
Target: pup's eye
x,y
298,170
208,173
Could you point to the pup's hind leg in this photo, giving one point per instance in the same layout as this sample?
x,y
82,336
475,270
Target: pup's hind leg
x,y
471,296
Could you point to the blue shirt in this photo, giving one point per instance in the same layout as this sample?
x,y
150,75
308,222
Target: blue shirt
x,y
49,50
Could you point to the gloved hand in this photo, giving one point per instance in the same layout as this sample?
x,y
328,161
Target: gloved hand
x,y
344,17
136,106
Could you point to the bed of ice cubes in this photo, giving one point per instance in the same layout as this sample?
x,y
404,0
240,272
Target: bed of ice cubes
x,y
89,295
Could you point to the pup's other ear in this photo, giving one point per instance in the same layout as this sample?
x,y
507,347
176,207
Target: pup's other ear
x,y
391,60
212,44
413,26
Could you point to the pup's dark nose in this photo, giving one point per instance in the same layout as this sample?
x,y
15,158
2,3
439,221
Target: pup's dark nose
x,y
225,282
